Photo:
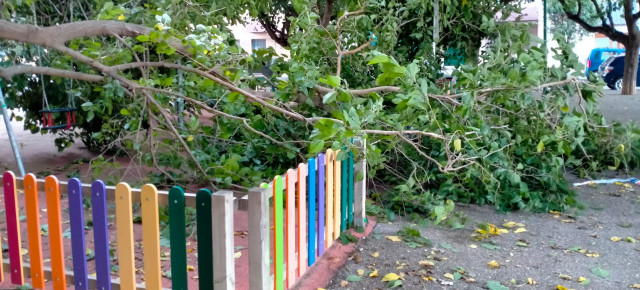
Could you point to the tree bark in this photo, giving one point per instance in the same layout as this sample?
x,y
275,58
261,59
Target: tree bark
x,y
630,66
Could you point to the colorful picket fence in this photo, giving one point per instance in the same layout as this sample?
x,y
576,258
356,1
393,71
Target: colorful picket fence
x,y
308,207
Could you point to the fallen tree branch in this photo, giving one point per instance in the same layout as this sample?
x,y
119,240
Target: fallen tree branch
x,y
9,72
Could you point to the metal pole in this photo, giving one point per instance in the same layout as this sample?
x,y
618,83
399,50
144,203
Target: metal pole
x,y
12,137
544,29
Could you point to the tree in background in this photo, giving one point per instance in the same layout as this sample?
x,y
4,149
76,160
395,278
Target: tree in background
x,y
581,12
571,30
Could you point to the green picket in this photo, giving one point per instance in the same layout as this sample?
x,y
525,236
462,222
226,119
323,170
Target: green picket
x,y
177,239
205,239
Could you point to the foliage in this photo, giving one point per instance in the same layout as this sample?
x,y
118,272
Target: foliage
x,y
504,137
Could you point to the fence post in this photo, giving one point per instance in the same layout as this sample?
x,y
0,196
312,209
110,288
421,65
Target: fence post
x,y
78,244
13,228
360,186
33,230
54,218
101,235
259,270
205,238
151,237
124,230
177,239
222,227
290,221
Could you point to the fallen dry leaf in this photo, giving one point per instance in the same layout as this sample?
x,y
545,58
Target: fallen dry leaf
x,y
560,287
564,277
190,268
509,225
237,254
428,278
615,239
473,246
469,280
581,279
567,221
344,283
394,238
636,286
449,275
374,273
520,230
390,277
531,282
426,263
375,255
493,264
360,272
503,231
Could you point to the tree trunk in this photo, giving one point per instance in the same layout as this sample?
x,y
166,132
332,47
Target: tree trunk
x,y
630,66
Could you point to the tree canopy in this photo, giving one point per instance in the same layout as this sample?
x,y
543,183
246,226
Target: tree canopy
x,y
503,134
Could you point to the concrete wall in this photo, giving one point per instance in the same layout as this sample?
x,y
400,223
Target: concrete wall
x,y
244,34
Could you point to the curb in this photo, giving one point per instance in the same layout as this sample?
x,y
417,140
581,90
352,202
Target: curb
x,y
326,267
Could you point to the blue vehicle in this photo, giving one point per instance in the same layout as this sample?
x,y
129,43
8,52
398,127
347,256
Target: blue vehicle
x,y
598,56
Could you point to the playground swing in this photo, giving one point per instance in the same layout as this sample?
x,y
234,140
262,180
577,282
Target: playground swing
x,y
48,114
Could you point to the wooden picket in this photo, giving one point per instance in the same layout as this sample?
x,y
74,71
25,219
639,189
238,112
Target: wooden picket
x,y
32,205
13,228
78,243
324,196
124,229
151,237
330,195
54,217
302,218
177,239
321,201
290,228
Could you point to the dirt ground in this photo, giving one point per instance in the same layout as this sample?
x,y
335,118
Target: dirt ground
x,y
553,245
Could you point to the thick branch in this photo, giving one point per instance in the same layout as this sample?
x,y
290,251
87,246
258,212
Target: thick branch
x,y
10,72
607,30
52,36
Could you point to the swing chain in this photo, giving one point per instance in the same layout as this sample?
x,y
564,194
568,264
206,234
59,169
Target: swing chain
x,y
45,101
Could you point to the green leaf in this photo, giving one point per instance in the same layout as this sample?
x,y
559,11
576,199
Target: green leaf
x,y
143,38
602,273
379,59
329,97
540,146
394,283
490,246
353,278
316,146
457,144
445,246
495,285
333,81
124,112
586,282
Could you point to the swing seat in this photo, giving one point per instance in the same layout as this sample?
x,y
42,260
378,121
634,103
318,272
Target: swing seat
x,y
47,118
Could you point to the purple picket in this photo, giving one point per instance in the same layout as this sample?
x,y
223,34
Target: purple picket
x,y
78,245
101,235
321,202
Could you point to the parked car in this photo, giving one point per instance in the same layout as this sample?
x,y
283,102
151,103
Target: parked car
x,y
598,56
612,71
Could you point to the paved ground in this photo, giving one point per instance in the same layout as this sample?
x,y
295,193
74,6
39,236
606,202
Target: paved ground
x,y
554,250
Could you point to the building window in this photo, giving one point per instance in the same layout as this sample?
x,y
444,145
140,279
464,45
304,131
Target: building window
x,y
258,44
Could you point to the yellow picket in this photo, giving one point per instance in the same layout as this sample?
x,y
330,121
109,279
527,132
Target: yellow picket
x,y
329,236
124,230
151,237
